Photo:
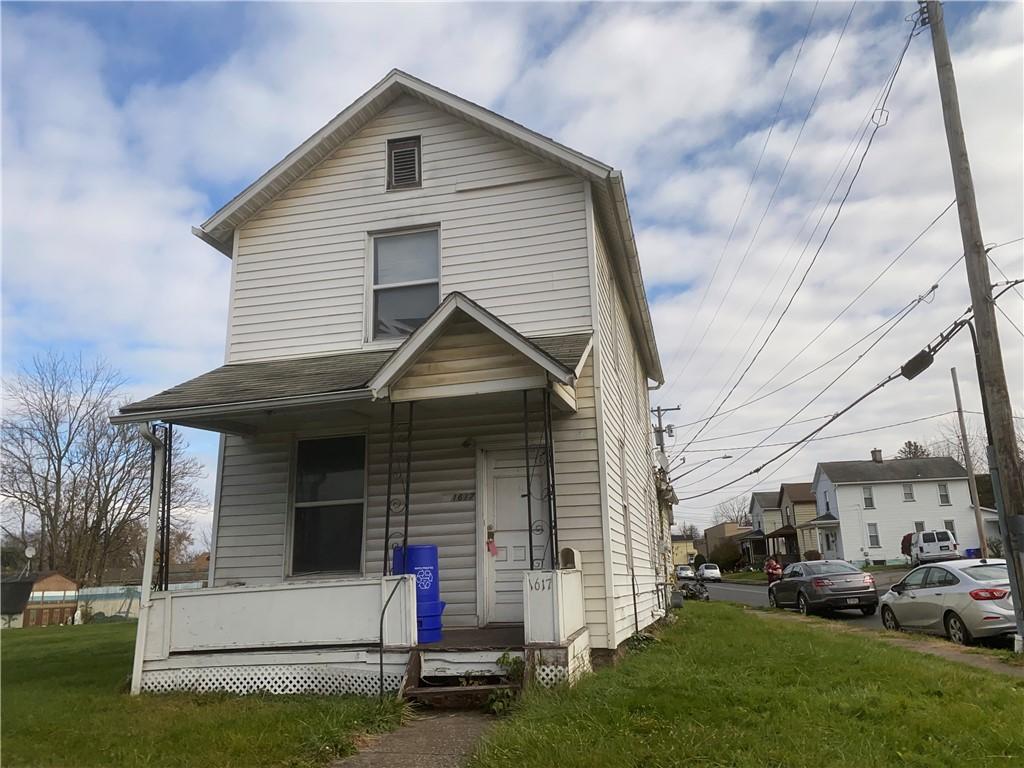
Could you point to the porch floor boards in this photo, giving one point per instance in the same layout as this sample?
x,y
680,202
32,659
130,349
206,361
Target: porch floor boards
x,y
494,638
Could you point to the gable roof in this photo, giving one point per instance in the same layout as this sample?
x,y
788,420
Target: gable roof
x,y
420,339
799,493
609,192
765,499
892,470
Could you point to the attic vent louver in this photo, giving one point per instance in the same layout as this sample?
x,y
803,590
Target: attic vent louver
x,y
403,163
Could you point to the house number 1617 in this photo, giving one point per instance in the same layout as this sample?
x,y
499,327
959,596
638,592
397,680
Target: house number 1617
x,y
540,584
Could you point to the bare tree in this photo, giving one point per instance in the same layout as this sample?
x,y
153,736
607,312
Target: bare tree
x,y
733,511
690,531
72,480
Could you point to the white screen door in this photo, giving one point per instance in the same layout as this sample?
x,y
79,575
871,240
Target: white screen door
x,y
506,520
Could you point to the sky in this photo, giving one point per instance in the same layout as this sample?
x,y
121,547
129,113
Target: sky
x,y
126,124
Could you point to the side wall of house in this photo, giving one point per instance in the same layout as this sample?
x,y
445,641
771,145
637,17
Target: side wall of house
x,y
896,517
512,237
254,512
632,503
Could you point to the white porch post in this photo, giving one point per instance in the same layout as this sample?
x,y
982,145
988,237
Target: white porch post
x,y
147,571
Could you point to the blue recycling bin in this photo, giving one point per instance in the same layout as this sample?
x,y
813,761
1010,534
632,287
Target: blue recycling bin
x,y
421,561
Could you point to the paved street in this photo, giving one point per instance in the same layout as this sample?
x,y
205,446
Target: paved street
x,y
757,595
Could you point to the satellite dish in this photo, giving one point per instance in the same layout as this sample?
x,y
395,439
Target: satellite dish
x,y
30,552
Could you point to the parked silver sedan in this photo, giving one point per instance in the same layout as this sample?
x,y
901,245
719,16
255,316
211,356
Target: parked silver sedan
x,y
964,600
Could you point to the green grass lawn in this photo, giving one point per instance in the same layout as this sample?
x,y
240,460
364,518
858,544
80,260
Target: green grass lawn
x,y
724,687
756,577
65,704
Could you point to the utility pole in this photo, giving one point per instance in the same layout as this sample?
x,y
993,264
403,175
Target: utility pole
x,y
972,481
1006,464
659,431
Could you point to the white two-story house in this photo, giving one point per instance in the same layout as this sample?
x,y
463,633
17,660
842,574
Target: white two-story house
x,y
866,507
438,334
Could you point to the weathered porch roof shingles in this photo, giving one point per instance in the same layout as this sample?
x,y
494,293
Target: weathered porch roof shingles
x,y
239,383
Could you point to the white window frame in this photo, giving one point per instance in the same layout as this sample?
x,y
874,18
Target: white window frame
x,y
867,492
949,499
950,525
289,542
913,494
919,526
876,535
371,286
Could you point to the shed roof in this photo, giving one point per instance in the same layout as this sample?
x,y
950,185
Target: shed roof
x,y
892,470
269,380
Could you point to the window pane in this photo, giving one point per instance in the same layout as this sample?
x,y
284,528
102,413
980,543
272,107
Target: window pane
x,y
403,258
330,469
929,538
328,538
400,311
917,578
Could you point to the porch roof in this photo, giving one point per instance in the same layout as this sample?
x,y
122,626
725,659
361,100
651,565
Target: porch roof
x,y
297,381
786,531
821,521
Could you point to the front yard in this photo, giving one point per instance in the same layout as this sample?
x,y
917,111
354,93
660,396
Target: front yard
x,y
64,704
723,687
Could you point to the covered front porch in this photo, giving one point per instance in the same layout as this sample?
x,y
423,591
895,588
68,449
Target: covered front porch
x,y
316,491
824,531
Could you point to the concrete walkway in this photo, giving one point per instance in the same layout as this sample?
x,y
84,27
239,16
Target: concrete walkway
x,y
434,740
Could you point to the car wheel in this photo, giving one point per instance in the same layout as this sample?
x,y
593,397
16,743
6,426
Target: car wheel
x,y
889,620
869,610
802,604
957,631
772,601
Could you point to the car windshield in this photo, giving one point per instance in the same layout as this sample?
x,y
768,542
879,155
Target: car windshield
x,y
988,572
710,567
825,568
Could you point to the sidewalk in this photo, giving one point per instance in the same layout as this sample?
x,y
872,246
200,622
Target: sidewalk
x,y
434,740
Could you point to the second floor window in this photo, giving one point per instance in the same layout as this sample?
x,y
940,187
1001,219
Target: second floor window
x,y
908,491
869,497
406,285
944,494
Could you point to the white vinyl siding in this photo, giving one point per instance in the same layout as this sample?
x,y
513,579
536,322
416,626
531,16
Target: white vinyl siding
x,y
253,516
628,473
512,228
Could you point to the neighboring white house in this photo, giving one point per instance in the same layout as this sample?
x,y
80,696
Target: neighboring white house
x,y
438,333
866,507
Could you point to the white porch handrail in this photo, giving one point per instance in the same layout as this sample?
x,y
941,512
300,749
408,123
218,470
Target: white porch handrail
x,y
279,616
553,608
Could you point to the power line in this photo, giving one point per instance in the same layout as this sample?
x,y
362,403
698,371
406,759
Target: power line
x,y
746,195
905,312
908,370
768,206
880,119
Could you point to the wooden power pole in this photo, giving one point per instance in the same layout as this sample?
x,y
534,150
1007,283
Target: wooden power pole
x,y
990,361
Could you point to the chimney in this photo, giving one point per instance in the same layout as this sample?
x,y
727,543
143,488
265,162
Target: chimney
x,y
876,455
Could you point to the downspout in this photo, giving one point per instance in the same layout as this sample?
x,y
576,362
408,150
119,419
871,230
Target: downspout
x,y
159,451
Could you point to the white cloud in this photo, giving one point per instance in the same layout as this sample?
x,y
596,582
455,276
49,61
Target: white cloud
x,y
100,192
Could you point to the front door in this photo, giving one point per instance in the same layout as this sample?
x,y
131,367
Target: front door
x,y
506,527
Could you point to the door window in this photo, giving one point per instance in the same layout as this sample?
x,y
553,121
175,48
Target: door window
x,y
940,577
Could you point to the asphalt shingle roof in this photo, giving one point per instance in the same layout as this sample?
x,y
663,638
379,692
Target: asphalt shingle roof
x,y
797,492
890,470
295,377
767,499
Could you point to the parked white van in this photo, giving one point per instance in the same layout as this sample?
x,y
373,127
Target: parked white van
x,y
930,546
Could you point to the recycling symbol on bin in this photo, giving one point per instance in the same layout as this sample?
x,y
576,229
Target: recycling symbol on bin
x,y
424,578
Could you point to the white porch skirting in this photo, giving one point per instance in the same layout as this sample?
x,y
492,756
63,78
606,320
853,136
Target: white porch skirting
x,y
321,673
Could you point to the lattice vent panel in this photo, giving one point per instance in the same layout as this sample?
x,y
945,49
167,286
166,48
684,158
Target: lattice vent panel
x,y
317,679
550,675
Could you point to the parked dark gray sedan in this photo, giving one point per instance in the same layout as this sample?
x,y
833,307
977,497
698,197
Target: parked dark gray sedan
x,y
824,585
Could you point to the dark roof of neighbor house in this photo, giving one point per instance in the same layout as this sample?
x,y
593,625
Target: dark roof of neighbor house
x,y
828,517
296,377
797,492
766,499
892,470
757,533
778,533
